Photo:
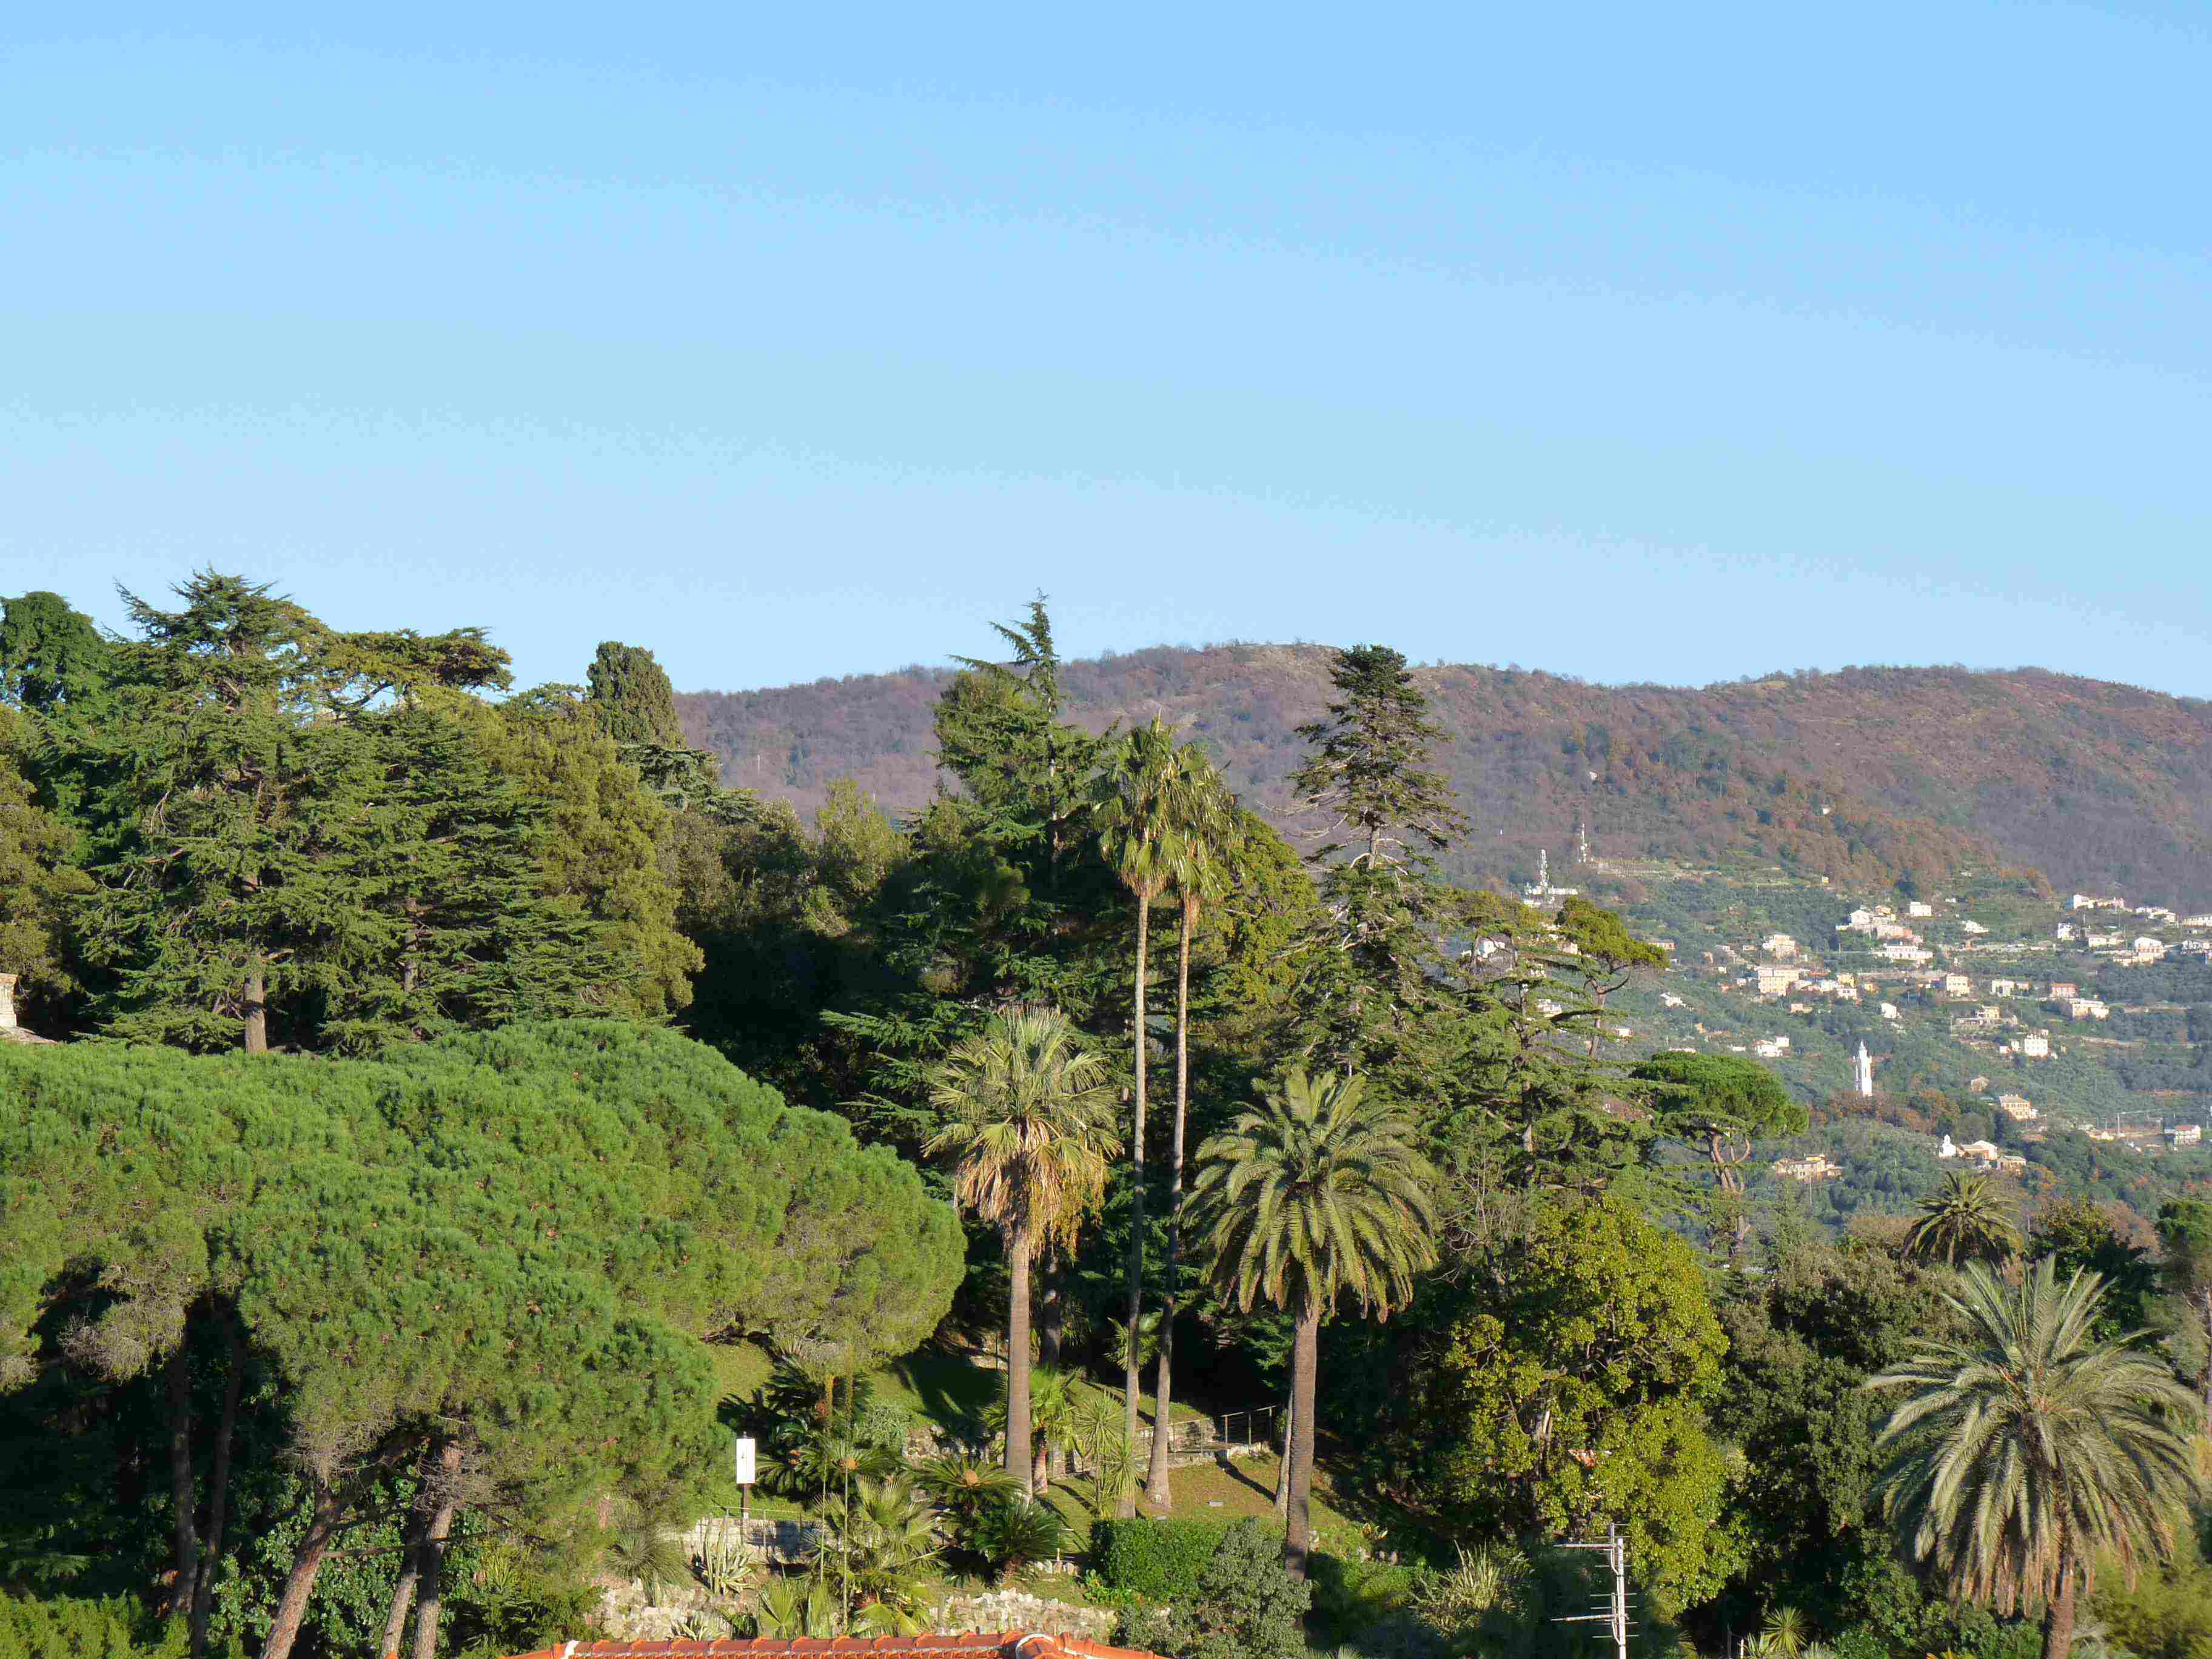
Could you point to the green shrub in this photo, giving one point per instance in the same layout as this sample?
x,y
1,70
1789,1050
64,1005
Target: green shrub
x,y
1245,1605
1159,1560
882,1425
75,1627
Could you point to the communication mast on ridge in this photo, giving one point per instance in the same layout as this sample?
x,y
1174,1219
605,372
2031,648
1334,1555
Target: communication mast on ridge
x,y
1582,840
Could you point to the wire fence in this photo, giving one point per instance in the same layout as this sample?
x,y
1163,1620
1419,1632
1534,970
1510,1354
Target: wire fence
x,y
1253,1426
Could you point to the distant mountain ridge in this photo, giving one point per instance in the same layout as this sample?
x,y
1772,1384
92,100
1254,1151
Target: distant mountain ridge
x,y
1861,775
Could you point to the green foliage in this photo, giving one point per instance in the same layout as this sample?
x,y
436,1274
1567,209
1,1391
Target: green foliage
x,y
2013,1494
518,1238
1966,1220
1159,1560
1017,1533
1565,1384
73,1628
1245,1604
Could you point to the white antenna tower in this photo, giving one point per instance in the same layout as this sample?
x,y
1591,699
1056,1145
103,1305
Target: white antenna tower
x,y
1615,1613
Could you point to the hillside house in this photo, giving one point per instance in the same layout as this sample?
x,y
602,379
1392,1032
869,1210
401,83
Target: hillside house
x,y
1888,1011
1981,1152
2036,1045
2196,922
1771,1048
2101,941
1813,1166
2065,932
1776,978
2147,946
1971,926
1978,1085
1958,985
2184,1134
2155,912
2004,988
1918,909
2011,1164
1780,946
2016,1108
2064,990
2087,1008
1900,952
1862,921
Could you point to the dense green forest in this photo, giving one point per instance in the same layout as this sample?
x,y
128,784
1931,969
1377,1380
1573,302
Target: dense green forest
x,y
445,1114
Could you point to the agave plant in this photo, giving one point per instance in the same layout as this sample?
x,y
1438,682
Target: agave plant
x,y
725,1563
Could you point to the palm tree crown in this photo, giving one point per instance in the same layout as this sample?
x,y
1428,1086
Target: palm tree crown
x,y
1964,1220
1316,1192
1137,797
1030,1123
2025,1449
1030,1120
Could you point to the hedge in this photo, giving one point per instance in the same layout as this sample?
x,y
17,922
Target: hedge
x,y
1159,1560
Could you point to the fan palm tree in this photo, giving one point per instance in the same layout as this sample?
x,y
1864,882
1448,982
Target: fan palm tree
x,y
1204,837
1030,1125
1314,1193
1964,1220
2026,1450
1135,803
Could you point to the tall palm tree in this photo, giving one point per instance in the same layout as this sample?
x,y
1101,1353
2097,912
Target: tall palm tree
x,y
1135,802
1030,1126
2026,1449
1964,1220
1315,1192
1206,836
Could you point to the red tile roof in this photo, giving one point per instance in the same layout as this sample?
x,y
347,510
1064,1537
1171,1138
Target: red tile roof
x,y
1005,1643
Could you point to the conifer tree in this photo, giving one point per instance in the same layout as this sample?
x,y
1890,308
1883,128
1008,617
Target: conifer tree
x,y
1388,810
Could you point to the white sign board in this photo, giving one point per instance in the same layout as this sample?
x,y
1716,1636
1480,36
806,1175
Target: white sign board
x,y
745,1459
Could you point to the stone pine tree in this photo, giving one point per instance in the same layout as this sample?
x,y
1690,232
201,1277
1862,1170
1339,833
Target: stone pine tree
x,y
1386,810
1138,806
1722,1104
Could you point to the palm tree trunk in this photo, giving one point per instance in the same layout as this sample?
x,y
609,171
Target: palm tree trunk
x,y
2058,1617
299,1583
1157,1489
1297,1533
1019,1462
226,1432
1283,1468
1131,1378
1052,1318
184,1493
434,1553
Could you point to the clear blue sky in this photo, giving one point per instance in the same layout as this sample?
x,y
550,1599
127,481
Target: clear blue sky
x,y
1633,342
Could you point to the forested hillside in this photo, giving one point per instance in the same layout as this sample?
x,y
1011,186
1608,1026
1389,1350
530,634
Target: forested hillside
x,y
1864,774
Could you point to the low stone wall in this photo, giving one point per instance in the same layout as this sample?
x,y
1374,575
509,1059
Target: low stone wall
x,y
1014,1609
